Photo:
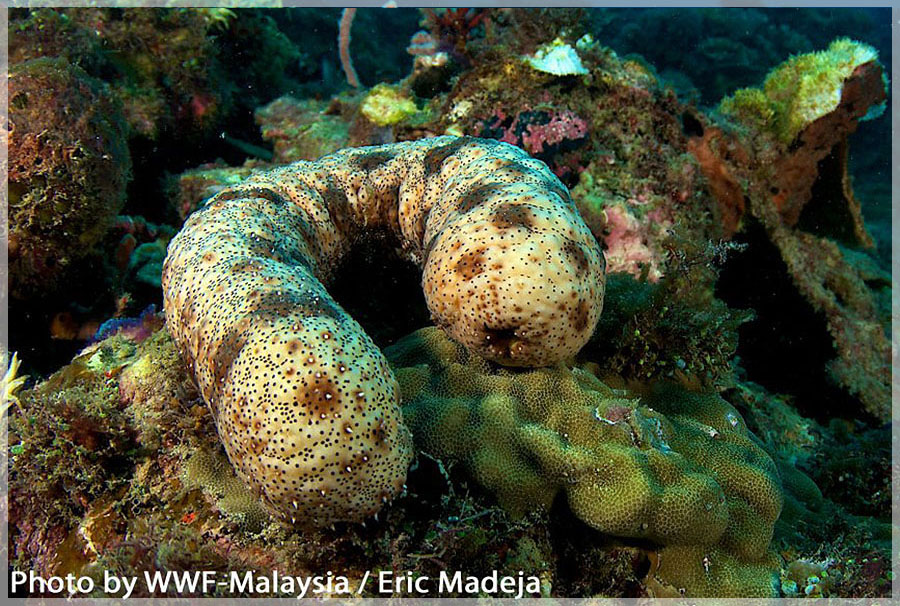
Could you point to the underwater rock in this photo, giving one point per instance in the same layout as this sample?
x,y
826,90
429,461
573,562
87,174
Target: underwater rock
x,y
68,168
663,464
785,165
244,301
809,105
301,129
806,88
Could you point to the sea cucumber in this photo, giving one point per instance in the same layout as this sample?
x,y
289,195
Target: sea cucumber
x,y
305,403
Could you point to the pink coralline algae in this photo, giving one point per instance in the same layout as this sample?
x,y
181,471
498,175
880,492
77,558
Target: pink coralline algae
x,y
539,132
563,126
549,135
627,242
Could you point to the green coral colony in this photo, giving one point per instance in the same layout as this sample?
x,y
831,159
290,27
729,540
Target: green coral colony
x,y
525,430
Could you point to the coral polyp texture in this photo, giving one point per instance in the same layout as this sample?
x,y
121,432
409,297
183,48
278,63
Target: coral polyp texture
x,y
660,464
306,405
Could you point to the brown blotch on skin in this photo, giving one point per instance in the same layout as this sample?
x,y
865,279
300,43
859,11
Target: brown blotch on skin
x,y
580,315
577,255
471,264
245,265
560,190
236,417
231,194
264,193
435,157
338,207
263,247
256,446
227,350
372,160
320,396
517,169
477,196
310,236
507,216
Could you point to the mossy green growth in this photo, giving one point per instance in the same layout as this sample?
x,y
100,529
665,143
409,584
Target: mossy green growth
x,y
800,90
386,105
664,465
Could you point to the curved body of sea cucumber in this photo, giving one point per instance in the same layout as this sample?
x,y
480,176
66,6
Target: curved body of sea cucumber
x,y
305,403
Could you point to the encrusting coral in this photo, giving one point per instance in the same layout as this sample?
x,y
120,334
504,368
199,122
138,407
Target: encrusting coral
x,y
306,405
662,464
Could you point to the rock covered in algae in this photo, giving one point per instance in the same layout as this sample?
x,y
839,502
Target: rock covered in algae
x,y
68,168
785,158
386,105
677,468
803,89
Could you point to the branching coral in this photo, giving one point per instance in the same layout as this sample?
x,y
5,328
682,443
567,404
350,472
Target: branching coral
x,y
12,382
306,405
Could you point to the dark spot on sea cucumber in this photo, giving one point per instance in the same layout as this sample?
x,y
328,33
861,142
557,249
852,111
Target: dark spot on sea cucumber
x,y
580,315
372,160
577,255
435,157
239,193
477,196
229,346
320,396
513,215
471,264
338,207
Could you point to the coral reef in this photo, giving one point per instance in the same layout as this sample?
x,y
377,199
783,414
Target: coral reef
x,y
68,168
386,105
301,129
798,190
739,372
662,464
244,301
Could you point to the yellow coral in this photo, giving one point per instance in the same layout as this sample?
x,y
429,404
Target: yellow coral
x,y
386,105
800,90
12,383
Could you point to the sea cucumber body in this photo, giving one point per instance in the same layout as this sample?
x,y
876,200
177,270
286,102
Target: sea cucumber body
x,y
305,403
